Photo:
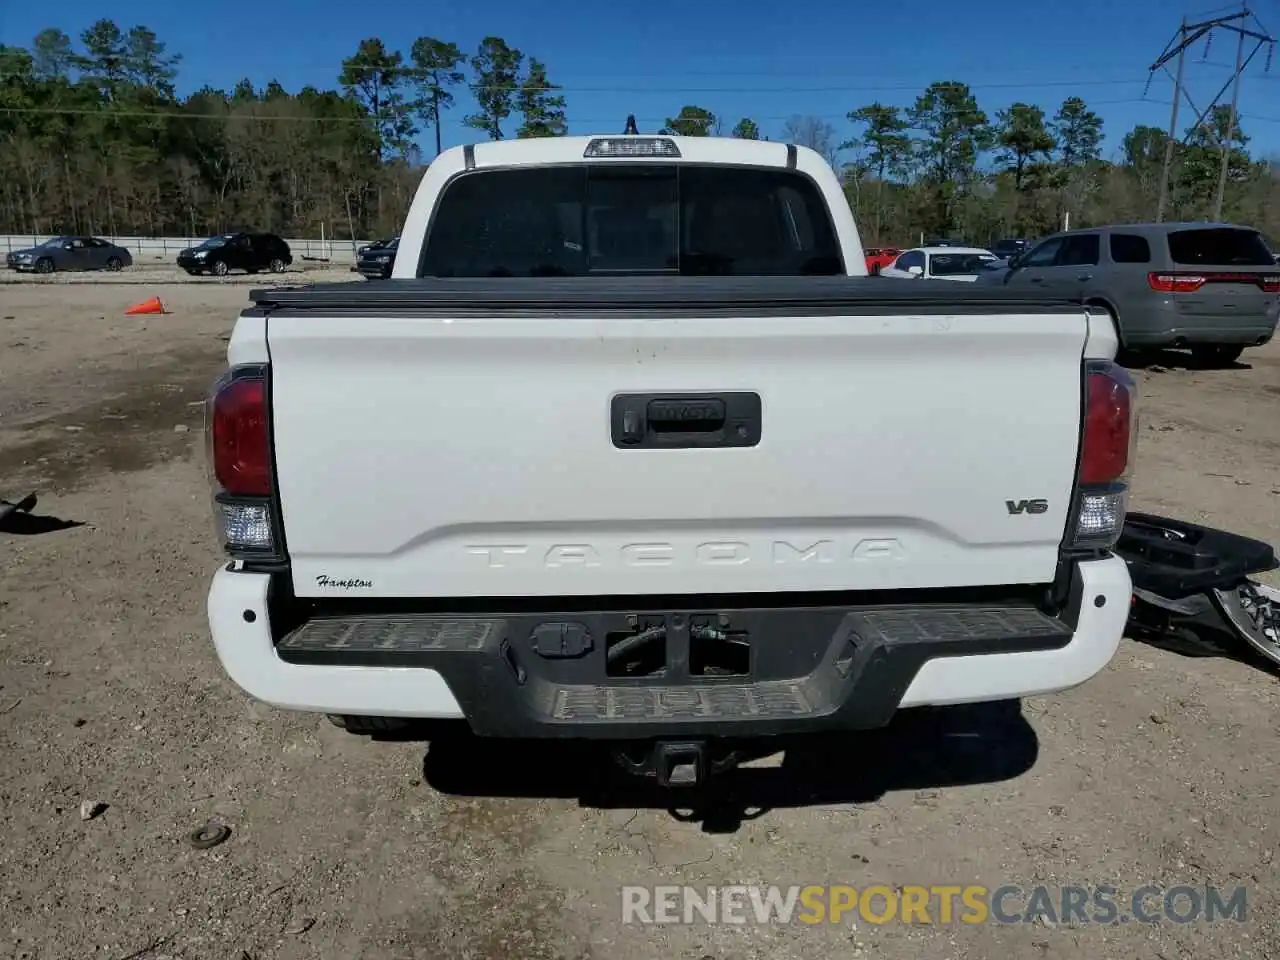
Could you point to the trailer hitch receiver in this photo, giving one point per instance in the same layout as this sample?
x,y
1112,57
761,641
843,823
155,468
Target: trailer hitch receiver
x,y
680,763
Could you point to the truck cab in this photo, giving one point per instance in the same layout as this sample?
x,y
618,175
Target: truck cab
x,y
630,206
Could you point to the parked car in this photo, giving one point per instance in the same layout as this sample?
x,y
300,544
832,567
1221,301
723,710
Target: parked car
x,y
880,257
1211,287
361,251
941,242
250,252
70,253
437,546
940,263
376,260
1010,247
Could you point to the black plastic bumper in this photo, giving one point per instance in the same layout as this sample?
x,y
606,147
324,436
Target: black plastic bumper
x,y
738,672
1175,559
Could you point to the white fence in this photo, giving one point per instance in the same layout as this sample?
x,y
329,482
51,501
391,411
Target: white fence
x,y
165,249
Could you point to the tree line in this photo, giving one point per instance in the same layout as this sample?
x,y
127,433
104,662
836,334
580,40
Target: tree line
x,y
95,138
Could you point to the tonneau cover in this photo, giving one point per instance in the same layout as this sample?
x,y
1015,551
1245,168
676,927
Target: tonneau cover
x,y
639,296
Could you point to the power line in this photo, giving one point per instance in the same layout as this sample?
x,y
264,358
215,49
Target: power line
x,y
841,88
417,73
1246,27
106,112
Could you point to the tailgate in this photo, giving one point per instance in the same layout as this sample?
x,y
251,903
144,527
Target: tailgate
x,y
452,450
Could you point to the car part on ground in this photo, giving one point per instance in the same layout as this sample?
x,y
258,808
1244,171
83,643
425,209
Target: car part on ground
x,y
1188,577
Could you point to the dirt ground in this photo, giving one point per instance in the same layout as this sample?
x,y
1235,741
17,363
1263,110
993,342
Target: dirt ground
x,y
147,274
1161,770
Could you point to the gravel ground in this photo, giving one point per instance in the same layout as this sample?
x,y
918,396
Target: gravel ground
x,y
167,274
1161,770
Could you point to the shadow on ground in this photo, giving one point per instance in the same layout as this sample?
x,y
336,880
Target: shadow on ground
x,y
16,518
1158,360
1200,641
921,749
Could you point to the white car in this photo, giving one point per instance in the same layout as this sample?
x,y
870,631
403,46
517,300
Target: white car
x,y
631,449
940,263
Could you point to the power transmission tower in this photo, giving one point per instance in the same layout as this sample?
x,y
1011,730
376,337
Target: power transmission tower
x,y
1246,26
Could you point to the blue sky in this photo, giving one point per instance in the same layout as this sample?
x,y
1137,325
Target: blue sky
x,y
745,58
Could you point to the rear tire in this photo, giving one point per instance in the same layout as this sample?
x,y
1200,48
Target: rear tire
x,y
1216,354
277,265
368,726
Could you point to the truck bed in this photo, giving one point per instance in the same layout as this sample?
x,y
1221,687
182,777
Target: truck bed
x,y
467,438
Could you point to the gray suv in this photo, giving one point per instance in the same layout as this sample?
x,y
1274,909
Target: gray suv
x,y
1211,287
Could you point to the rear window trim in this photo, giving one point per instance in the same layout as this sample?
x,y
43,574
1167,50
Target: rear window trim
x,y
669,161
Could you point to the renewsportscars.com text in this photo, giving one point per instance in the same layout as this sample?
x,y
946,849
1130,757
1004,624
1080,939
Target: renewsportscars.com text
x,y
935,904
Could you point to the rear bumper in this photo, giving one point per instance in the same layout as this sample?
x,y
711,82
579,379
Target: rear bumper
x,y
1168,326
819,668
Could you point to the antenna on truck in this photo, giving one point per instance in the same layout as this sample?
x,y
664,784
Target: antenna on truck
x,y
631,126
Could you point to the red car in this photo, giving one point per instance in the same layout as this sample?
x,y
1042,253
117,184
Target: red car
x,y
880,257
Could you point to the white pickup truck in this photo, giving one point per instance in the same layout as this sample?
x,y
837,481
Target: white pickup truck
x,y
629,448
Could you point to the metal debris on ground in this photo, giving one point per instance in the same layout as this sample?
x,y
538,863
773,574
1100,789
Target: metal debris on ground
x,y
1253,609
210,835
91,808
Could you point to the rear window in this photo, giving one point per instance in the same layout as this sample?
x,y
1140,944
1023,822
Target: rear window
x,y
584,219
1220,247
957,264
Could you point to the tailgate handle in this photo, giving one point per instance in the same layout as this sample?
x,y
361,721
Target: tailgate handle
x,y
686,416
685,420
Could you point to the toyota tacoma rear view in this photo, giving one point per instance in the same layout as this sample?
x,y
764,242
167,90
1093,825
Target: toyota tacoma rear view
x,y
629,448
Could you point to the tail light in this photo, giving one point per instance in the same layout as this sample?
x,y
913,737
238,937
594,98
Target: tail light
x,y
1107,440
238,435
1191,282
1175,282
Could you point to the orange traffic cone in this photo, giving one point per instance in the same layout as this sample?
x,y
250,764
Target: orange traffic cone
x,y
146,306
